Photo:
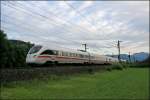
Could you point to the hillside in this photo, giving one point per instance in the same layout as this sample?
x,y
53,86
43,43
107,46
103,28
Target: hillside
x,y
141,56
20,43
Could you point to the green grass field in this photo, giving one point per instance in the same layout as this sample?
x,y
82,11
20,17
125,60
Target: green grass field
x,y
131,83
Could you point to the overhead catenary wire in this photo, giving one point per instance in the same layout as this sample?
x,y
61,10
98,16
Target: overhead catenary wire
x,y
66,21
57,24
76,42
53,43
89,21
85,18
41,16
51,12
29,29
54,15
46,18
70,23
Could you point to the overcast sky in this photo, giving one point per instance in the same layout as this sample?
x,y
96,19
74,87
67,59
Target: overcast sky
x,y
70,23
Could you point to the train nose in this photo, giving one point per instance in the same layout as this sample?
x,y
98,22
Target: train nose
x,y
30,58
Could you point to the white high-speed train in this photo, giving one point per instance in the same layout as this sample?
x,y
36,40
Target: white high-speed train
x,y
41,54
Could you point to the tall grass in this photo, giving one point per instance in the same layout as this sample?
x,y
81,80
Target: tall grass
x,y
124,65
131,83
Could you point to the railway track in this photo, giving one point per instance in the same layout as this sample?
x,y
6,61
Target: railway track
x,y
8,75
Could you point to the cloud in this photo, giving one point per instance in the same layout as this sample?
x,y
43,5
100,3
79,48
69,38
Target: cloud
x,y
99,24
85,5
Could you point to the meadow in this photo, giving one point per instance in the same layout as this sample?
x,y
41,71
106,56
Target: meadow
x,y
129,83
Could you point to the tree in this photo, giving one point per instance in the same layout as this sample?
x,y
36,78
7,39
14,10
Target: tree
x,y
13,52
4,46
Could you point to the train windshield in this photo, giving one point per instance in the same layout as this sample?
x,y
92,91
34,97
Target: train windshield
x,y
35,49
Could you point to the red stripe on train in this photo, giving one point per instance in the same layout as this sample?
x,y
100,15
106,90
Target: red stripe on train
x,y
71,58
62,57
44,57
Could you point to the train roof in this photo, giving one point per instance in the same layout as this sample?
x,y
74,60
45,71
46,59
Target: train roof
x,y
63,49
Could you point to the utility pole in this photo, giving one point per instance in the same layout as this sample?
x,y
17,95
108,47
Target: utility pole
x,y
118,45
129,57
134,58
85,47
112,54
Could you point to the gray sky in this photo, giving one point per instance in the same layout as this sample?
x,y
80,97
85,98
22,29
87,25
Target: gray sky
x,y
70,23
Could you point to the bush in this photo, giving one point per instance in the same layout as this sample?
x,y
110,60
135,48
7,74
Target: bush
x,y
117,66
139,65
125,65
109,68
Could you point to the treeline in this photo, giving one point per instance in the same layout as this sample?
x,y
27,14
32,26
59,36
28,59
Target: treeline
x,y
13,52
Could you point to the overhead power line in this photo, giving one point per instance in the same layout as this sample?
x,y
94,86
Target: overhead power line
x,y
54,23
41,17
66,22
30,14
78,12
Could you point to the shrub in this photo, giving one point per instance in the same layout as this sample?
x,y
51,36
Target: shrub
x,y
117,66
125,65
109,68
139,65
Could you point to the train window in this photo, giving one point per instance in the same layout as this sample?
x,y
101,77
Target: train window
x,y
35,49
63,53
106,59
78,55
66,53
81,56
59,53
70,54
92,57
49,52
74,54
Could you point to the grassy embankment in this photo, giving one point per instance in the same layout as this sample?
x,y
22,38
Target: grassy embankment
x,y
130,83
